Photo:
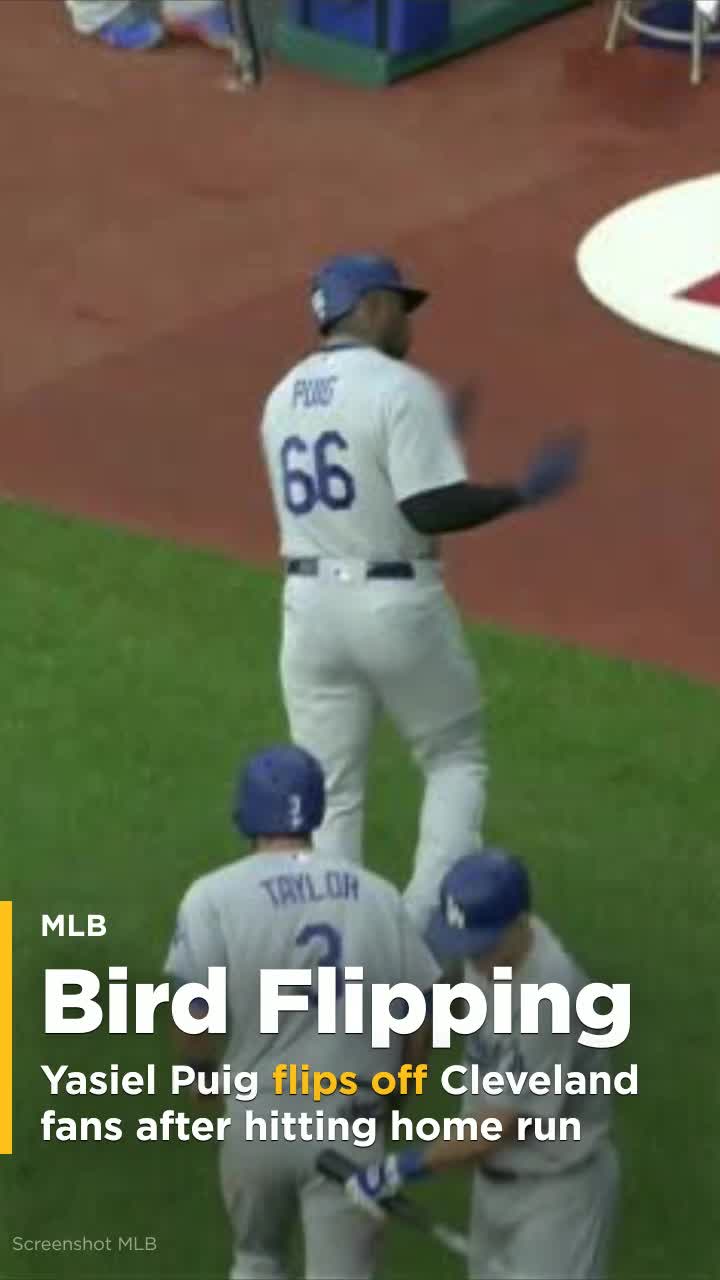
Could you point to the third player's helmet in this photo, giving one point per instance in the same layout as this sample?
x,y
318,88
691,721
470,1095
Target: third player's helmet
x,y
281,792
480,897
343,281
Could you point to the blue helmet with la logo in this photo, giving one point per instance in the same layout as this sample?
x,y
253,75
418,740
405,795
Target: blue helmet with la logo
x,y
480,896
281,792
344,281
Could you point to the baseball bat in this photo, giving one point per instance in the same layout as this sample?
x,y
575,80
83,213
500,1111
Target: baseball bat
x,y
246,52
338,1168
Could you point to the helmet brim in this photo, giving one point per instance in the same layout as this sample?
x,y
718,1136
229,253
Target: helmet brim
x,y
413,298
448,941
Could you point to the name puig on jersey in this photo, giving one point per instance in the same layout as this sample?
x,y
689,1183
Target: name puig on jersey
x,y
313,393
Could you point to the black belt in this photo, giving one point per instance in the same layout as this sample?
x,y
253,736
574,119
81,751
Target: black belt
x,y
309,567
509,1175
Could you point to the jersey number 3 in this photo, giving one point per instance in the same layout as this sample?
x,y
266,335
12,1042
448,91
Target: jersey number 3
x,y
331,957
323,481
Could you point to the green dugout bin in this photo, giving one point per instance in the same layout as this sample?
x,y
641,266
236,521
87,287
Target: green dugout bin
x,y
354,40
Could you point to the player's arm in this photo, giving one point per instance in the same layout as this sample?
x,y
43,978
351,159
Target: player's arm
x,y
369,1188
418,967
201,1051
451,1153
202,1054
416,1050
419,1044
464,505
196,946
456,507
428,472
546,1050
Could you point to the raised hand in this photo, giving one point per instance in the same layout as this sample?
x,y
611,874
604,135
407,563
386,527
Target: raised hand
x,y
463,403
555,467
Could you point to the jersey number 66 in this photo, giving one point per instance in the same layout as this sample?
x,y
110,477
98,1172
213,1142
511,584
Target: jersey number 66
x,y
323,482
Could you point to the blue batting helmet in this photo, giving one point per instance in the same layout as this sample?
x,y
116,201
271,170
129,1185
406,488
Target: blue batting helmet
x,y
341,283
480,896
281,792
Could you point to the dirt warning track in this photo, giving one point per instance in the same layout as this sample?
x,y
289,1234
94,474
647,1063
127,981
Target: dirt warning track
x,y
157,237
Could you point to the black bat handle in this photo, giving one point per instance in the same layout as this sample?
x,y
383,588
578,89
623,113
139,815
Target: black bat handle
x,y
338,1168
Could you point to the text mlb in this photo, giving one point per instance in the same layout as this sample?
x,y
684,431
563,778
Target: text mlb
x,y
72,1005
70,926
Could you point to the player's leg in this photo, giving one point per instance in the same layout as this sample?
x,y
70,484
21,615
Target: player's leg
x,y
336,723
341,1242
560,1226
485,1232
453,762
261,1204
585,1212
416,650
331,709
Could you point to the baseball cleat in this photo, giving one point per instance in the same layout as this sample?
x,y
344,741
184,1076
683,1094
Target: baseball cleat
x,y
132,32
210,26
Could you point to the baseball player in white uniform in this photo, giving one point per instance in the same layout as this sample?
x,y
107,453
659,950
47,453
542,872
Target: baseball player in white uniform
x,y
286,907
366,471
142,25
541,1209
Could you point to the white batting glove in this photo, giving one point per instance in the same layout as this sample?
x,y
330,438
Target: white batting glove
x,y
372,1186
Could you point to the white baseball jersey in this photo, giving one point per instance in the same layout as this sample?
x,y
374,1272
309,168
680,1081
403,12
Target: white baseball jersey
x,y
547,962
89,16
291,911
348,434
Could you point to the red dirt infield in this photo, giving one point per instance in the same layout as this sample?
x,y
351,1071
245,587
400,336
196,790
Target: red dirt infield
x,y
158,233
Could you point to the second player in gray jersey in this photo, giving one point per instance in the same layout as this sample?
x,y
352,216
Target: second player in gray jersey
x,y
285,907
366,473
543,1207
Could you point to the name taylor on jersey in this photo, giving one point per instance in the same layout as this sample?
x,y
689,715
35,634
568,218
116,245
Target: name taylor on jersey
x,y
303,888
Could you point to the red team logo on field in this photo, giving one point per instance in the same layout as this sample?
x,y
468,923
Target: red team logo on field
x,y
656,263
705,291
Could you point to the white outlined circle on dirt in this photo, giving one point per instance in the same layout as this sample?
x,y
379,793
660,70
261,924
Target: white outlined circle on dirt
x,y
656,263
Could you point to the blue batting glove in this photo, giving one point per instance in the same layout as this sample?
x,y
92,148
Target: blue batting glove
x,y
372,1187
555,467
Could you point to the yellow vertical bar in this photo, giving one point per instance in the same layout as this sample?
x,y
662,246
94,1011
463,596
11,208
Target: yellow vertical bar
x,y
5,1028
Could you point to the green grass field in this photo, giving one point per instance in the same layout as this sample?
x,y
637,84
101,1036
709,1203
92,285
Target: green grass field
x,y
135,678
